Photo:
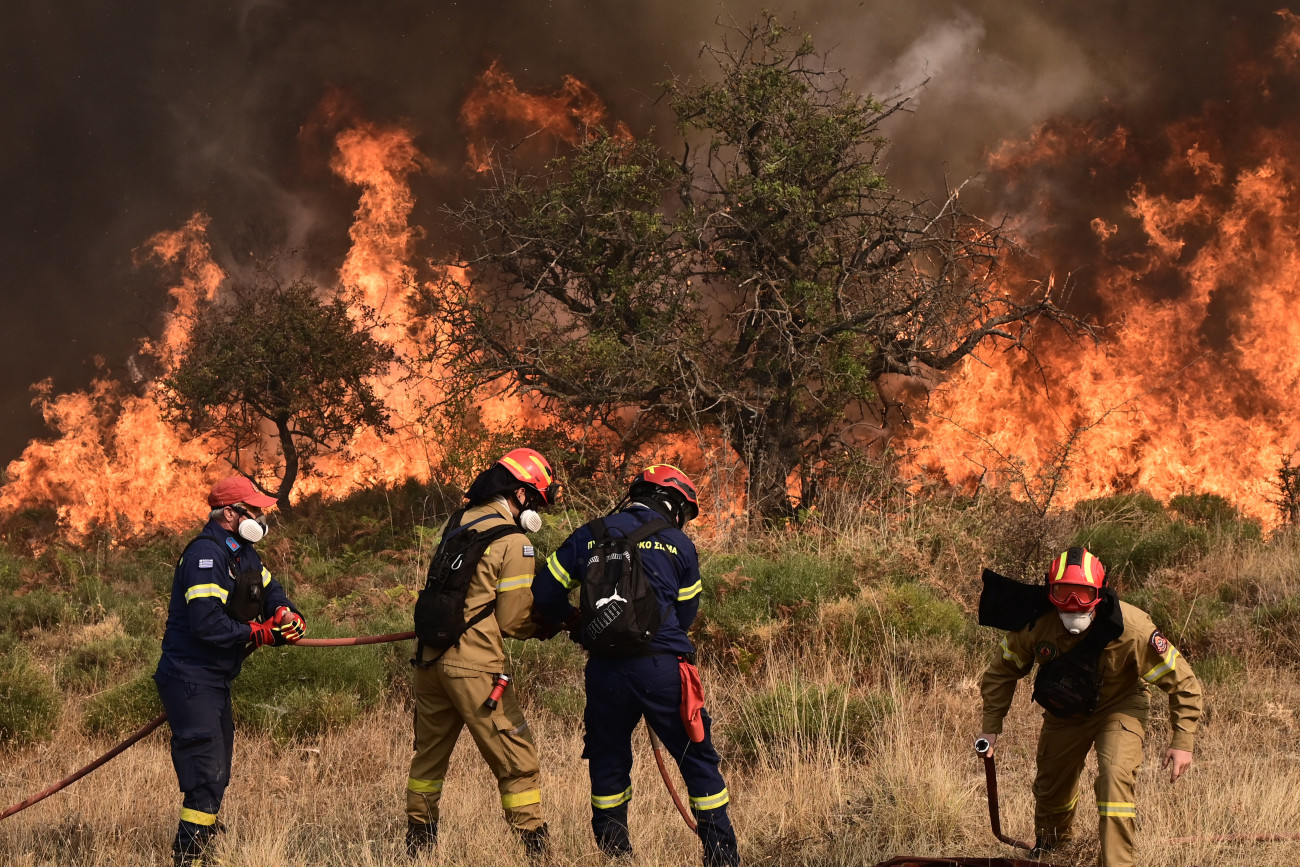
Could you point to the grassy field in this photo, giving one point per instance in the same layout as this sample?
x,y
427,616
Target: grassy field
x,y
841,662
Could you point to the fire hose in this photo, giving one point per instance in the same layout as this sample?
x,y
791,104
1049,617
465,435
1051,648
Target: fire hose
x,y
144,730
657,746
985,750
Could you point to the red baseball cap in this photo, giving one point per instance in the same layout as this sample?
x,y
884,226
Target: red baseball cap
x,y
238,489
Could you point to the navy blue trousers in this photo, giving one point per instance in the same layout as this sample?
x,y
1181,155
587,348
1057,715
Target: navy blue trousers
x,y
203,745
620,691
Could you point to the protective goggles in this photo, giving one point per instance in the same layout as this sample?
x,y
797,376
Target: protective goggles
x,y
1073,596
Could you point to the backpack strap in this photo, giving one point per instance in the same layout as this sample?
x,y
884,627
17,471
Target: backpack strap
x,y
646,530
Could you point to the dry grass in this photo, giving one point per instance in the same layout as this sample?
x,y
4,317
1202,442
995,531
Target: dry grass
x,y
839,789
914,787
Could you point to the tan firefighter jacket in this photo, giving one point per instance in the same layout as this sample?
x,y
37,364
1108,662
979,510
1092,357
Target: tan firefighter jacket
x,y
505,573
1139,657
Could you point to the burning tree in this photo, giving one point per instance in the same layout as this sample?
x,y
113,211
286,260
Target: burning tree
x,y
758,288
277,375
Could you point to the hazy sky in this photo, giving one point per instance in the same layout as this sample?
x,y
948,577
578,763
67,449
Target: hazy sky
x,y
122,119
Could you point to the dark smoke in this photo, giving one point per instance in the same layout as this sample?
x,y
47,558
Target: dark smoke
x,y
122,119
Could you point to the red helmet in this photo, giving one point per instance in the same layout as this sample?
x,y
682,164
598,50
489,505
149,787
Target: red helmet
x,y
529,467
666,478
1074,580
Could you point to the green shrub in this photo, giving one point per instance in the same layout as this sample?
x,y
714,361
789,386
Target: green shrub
x,y
745,591
29,703
1120,508
301,712
1220,669
39,609
94,664
566,701
308,681
879,617
1131,553
804,717
122,709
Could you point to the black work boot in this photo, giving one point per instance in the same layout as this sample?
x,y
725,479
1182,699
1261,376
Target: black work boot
x,y
610,828
191,845
420,838
537,842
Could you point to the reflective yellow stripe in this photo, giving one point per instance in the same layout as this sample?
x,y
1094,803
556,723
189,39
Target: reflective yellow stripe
x,y
561,574
711,802
1065,809
197,817
523,799
266,576
529,474
1171,655
1060,566
514,583
1009,654
690,592
607,802
424,787
200,591
1087,566
1117,809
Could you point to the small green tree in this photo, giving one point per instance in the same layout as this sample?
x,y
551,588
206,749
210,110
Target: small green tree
x,y
757,288
278,375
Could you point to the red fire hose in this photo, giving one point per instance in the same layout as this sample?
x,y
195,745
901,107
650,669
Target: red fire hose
x,y
140,733
985,750
657,746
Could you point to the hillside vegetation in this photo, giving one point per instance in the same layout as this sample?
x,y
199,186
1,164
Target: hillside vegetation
x,y
840,657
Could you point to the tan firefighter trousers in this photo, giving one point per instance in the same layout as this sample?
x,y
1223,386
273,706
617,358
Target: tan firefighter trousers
x,y
448,698
1063,746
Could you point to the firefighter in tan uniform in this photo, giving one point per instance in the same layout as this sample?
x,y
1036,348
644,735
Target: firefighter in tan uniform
x,y
1097,658
451,685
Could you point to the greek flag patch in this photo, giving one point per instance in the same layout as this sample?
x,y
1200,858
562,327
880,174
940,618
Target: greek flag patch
x,y
205,564
529,551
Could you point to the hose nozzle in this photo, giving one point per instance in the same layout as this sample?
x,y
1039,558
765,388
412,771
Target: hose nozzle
x,y
982,745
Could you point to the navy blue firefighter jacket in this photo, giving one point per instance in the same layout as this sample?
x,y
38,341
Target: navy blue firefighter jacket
x,y
670,563
201,643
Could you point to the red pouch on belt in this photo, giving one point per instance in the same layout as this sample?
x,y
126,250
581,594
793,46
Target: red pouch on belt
x,y
692,709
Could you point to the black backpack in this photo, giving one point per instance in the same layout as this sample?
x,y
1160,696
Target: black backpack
x,y
440,607
244,602
620,611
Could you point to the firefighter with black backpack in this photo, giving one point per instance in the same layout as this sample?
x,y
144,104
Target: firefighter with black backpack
x,y
1097,658
640,587
479,590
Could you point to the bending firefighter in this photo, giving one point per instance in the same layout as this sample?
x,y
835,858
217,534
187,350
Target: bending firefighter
x,y
479,589
224,604
640,588
1097,658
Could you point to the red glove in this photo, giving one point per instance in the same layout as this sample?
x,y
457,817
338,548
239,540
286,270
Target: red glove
x,y
288,624
263,634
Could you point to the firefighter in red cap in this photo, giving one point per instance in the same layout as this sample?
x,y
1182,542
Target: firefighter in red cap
x,y
224,603
653,677
462,684
1096,658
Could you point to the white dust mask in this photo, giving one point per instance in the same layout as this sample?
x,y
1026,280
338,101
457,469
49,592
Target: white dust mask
x,y
1076,621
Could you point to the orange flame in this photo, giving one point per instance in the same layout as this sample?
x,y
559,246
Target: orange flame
x,y
1192,388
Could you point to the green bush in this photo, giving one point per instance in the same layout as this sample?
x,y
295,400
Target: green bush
x,y
94,664
301,712
122,709
879,617
746,591
1120,508
29,703
1188,623
39,609
309,681
1131,553
806,717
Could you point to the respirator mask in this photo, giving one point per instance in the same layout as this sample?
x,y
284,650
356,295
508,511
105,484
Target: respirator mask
x,y
1076,621
250,529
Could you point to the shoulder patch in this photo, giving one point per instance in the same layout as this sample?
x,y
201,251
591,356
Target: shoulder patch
x,y
231,543
1159,643
529,551
1045,651
205,563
